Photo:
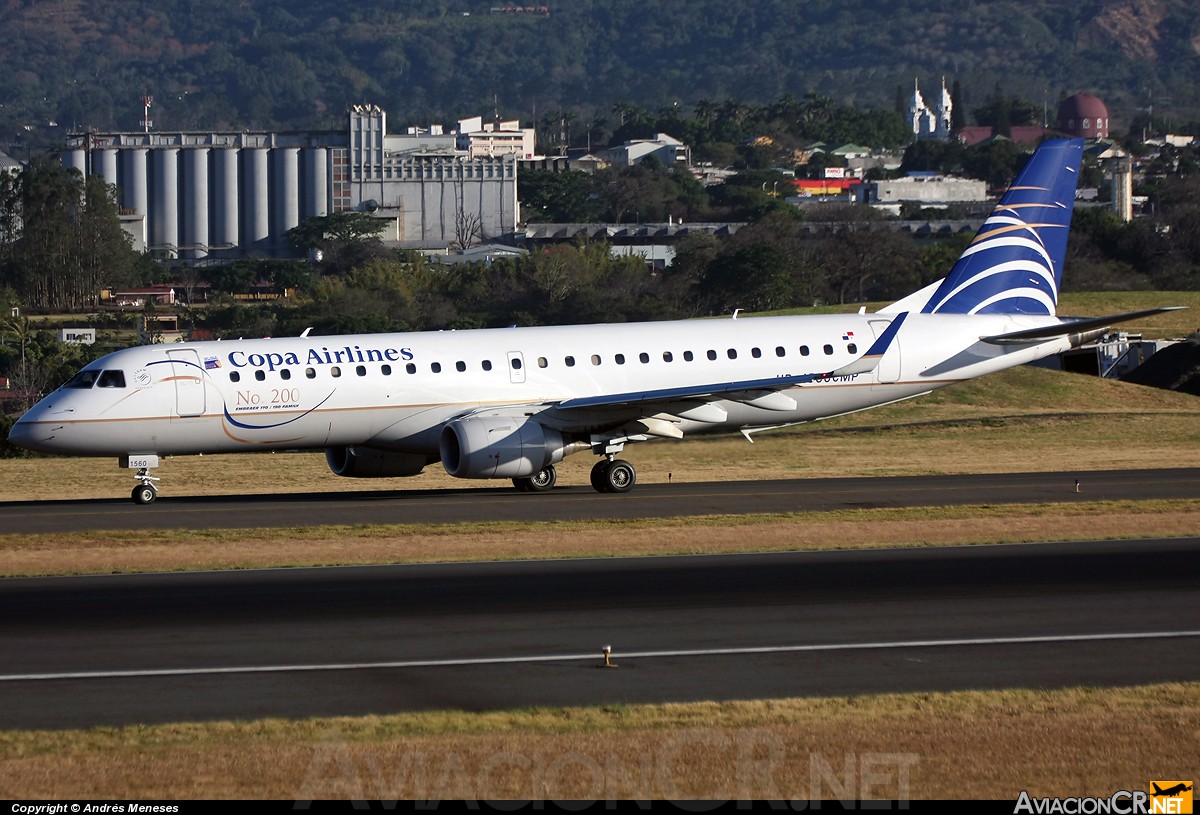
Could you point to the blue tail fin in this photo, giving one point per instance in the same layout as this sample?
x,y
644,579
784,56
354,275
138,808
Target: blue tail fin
x,y
1014,264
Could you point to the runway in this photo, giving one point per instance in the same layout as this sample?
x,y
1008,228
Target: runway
x,y
117,650
579,502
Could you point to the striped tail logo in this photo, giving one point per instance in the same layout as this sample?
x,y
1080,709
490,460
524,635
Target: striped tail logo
x,y
1014,264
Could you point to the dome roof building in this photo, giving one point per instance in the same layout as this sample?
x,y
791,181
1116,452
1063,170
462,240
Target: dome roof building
x,y
1083,116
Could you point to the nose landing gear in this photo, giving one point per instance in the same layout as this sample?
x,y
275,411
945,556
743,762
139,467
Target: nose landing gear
x,y
145,492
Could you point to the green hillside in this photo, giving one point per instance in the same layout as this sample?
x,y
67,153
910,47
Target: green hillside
x,y
234,64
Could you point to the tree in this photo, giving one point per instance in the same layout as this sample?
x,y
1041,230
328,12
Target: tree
x,y
345,239
319,231
550,197
958,111
755,277
61,238
468,228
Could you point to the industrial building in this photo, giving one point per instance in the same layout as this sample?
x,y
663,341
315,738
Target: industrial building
x,y
214,196
926,189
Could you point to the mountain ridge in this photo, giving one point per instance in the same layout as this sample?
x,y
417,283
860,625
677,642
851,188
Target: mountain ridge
x,y
269,64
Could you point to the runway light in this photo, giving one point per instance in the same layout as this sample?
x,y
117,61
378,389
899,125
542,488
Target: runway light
x,y
608,663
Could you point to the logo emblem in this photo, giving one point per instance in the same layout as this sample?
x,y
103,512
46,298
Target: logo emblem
x,y
1171,797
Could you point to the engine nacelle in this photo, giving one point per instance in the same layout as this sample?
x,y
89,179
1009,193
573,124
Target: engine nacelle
x,y
371,462
498,447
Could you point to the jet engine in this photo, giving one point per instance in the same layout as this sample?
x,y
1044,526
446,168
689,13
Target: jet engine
x,y
499,447
372,462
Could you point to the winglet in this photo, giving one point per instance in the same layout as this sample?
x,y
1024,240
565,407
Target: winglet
x,y
870,360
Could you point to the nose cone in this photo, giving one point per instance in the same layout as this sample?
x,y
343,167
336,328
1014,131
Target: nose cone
x,y
34,431
21,434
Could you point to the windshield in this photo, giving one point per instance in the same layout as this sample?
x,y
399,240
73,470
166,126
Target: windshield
x,y
83,379
111,379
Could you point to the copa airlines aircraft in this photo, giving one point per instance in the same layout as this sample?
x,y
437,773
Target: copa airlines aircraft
x,y
512,402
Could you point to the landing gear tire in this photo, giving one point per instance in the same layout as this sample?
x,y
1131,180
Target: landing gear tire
x,y
542,481
613,476
600,475
144,494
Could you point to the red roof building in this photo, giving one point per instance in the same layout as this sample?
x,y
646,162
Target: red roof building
x,y
1083,116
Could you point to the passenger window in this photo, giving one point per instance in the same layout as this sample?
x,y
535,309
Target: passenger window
x,y
569,361
668,356
780,351
85,379
436,367
731,353
234,376
828,349
712,354
852,348
687,356
386,370
111,379
516,363
335,372
260,374
619,359
410,368
284,373
542,362
595,359
311,373
803,350
460,366
756,353
487,364
361,370
644,357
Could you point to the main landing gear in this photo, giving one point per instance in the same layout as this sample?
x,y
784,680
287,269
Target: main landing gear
x,y
613,475
538,482
609,475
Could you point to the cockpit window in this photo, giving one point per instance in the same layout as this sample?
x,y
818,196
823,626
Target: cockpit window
x,y
111,379
83,379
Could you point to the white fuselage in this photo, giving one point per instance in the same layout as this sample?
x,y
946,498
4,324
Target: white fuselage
x,y
396,391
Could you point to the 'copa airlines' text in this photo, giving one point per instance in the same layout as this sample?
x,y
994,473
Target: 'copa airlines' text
x,y
319,356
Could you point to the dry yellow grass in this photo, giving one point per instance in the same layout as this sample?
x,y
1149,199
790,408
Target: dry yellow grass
x,y
157,551
955,745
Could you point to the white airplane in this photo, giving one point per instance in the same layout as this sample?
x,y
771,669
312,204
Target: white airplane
x,y
513,402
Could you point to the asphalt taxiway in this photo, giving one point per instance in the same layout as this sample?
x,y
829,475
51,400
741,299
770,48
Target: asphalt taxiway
x,y
580,502
112,650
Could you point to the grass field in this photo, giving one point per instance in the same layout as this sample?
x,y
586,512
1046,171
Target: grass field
x,y
976,745
1082,741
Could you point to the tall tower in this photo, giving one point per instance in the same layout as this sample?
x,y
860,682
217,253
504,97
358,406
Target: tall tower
x,y
920,117
945,114
1122,187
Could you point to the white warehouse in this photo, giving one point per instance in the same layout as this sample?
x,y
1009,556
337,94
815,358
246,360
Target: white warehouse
x,y
202,196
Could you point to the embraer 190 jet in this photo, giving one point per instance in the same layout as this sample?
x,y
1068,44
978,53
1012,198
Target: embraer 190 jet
x,y
512,402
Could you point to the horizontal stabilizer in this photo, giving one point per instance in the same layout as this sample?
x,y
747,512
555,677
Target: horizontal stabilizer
x,y
1032,336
